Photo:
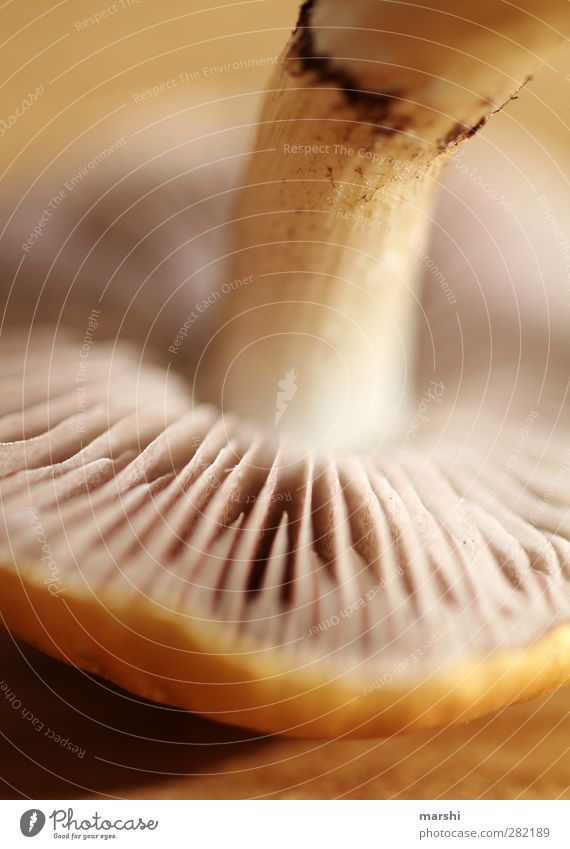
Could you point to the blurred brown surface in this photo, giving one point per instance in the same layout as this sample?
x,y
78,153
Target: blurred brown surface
x,y
136,749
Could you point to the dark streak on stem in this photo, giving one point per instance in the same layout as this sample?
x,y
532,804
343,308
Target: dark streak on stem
x,y
460,131
377,107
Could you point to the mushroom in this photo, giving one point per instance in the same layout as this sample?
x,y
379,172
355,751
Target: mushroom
x,y
362,114
225,564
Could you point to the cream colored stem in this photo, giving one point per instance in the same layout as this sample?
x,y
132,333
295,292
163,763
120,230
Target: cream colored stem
x,y
365,107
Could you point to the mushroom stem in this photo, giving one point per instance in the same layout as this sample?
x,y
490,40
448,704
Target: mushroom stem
x,y
364,109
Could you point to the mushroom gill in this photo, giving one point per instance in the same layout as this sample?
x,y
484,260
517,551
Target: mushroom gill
x,y
217,561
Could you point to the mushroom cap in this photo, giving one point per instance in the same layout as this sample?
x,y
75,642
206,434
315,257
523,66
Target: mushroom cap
x,y
190,559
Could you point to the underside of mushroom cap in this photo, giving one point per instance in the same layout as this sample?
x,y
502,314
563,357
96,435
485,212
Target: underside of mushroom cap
x,y
188,558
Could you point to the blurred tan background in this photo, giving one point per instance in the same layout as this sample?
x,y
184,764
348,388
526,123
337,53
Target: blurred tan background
x,y
91,72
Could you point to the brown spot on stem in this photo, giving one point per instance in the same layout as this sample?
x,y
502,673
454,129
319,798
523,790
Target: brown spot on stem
x,y
460,132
